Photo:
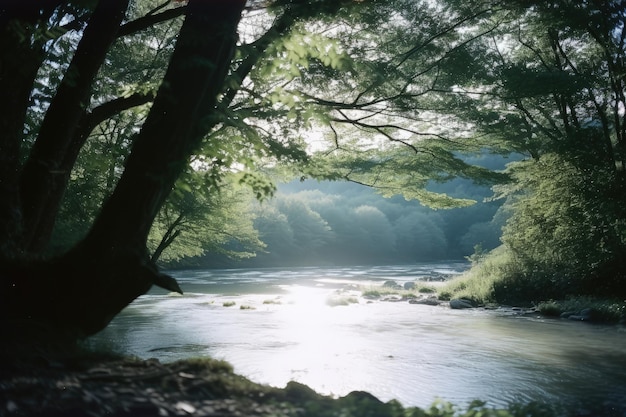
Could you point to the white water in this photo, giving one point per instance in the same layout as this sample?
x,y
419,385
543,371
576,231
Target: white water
x,y
394,350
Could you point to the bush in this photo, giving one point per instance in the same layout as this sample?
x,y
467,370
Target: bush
x,y
550,308
599,310
371,294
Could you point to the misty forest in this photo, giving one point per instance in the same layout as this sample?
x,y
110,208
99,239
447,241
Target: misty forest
x,y
146,143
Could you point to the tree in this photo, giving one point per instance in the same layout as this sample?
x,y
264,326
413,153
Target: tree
x,y
83,289
552,87
385,115
199,220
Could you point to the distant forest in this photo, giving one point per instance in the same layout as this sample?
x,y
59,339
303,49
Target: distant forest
x,y
340,223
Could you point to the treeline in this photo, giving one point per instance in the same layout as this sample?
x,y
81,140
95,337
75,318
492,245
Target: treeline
x,y
341,223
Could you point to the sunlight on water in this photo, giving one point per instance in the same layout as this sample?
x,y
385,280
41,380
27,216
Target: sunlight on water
x,y
317,344
311,325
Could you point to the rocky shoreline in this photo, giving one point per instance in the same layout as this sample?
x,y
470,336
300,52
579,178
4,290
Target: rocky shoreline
x,y
585,311
130,387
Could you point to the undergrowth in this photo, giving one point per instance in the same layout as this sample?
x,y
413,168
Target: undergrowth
x,y
599,310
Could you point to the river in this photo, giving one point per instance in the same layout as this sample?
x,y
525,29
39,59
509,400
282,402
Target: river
x,y
311,325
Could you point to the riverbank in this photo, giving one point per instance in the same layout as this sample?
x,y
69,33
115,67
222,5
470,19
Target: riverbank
x,y
468,291
314,327
93,385
452,292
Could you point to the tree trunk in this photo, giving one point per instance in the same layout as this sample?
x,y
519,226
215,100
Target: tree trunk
x,y
42,171
19,61
81,291
185,103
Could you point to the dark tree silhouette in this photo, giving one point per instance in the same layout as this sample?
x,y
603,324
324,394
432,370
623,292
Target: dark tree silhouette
x,y
78,293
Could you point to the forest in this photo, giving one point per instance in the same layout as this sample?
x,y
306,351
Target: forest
x,y
140,134
340,223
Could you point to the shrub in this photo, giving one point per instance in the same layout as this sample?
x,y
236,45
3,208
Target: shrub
x,y
606,311
550,308
371,294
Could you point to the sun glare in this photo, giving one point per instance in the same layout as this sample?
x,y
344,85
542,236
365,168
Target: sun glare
x,y
314,329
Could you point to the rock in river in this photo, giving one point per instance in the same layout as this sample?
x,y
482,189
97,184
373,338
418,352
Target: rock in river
x,y
459,303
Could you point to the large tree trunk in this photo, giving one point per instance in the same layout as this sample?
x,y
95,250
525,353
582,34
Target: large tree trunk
x,y
19,60
42,172
80,292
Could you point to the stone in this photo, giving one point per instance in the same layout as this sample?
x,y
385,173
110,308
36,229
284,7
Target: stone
x,y
409,285
460,303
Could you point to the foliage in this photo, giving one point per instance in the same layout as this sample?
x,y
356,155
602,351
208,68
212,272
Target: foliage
x,y
600,310
275,96
273,99
550,81
478,255
373,110
201,219
561,215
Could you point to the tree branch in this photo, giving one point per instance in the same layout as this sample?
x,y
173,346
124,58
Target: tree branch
x,y
149,20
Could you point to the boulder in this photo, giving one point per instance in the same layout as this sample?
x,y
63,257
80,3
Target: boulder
x,y
409,285
582,315
459,303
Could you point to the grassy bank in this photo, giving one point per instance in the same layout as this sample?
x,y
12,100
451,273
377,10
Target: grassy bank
x,y
499,279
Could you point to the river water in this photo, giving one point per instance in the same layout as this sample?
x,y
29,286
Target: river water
x,y
311,325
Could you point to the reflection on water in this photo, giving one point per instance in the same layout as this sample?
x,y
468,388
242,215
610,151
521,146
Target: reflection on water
x,y
283,328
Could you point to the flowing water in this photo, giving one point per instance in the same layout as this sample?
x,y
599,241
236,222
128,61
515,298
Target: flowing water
x,y
311,325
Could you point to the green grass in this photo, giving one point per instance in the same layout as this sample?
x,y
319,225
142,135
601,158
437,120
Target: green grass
x,y
606,311
229,303
499,279
480,282
426,289
379,292
472,285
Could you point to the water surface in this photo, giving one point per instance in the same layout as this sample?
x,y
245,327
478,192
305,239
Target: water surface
x,y
311,325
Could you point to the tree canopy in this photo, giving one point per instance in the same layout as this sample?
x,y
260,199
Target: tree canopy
x,y
126,124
